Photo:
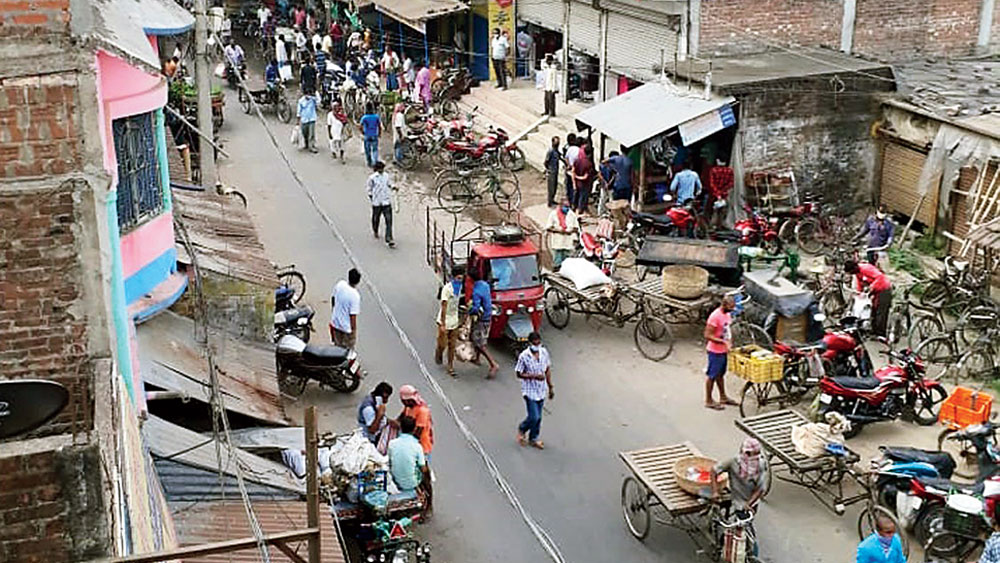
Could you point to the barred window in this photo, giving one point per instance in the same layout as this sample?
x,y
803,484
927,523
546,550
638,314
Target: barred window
x,y
140,192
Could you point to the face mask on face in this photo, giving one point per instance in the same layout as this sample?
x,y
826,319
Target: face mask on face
x,y
535,347
565,209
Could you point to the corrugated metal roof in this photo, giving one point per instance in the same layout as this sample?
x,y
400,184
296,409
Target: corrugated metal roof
x,y
167,440
217,521
291,437
415,13
649,110
187,483
170,359
987,235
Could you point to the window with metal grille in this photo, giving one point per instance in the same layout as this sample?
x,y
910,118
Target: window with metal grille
x,y
140,191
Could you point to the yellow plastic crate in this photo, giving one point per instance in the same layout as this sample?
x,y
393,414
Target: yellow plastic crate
x,y
754,370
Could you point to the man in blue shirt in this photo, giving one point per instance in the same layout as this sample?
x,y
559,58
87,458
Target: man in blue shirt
x,y
271,74
371,128
883,546
621,183
307,121
552,160
482,313
880,231
407,463
686,185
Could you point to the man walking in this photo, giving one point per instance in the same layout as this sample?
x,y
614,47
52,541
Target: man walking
x,y
498,48
562,226
447,318
380,189
552,161
884,545
880,231
719,339
534,369
345,305
335,121
307,121
371,128
482,312
550,82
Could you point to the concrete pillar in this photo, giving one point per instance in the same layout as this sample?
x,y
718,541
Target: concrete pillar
x,y
694,26
565,51
985,25
603,62
847,25
682,39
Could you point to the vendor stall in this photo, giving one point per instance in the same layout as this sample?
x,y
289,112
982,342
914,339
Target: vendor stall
x,y
662,127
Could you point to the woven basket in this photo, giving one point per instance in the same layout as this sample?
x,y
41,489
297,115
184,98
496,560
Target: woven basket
x,y
684,281
690,486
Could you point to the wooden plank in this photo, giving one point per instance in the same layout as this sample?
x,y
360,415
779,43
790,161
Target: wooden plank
x,y
227,546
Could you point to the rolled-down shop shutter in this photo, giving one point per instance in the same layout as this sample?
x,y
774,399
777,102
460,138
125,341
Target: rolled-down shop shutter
x,y
901,168
585,29
544,13
635,45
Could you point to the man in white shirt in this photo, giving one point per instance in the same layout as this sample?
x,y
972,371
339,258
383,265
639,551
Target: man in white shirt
x,y
317,42
398,131
570,157
280,52
562,227
327,44
379,189
550,79
335,120
498,52
263,14
300,44
345,305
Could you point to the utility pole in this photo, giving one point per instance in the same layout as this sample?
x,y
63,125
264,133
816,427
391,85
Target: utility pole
x,y
312,482
203,81
565,51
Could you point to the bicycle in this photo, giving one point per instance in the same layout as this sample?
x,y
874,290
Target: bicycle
x,y
873,510
942,351
457,194
958,284
979,363
289,277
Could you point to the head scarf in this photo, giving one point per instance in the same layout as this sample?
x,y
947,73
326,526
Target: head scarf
x,y
408,392
750,459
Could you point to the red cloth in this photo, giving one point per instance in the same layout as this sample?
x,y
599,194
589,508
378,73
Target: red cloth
x,y
720,181
869,275
562,217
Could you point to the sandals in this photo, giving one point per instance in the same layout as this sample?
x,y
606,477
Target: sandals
x,y
714,406
730,402
521,440
538,444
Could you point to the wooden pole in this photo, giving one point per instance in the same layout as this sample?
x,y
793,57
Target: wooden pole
x,y
312,483
227,546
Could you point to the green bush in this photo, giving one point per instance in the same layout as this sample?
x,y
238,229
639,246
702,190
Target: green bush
x,y
906,261
930,245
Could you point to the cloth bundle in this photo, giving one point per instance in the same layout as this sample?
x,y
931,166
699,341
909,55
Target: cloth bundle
x,y
811,439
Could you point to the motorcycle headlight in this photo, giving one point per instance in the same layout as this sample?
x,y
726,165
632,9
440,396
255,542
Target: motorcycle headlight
x,y
303,321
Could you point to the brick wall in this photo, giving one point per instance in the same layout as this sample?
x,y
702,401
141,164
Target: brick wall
x,y
887,30
39,128
22,18
51,507
823,137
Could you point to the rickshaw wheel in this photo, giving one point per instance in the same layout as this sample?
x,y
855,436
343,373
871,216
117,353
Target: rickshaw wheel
x,y
635,508
556,308
866,524
653,338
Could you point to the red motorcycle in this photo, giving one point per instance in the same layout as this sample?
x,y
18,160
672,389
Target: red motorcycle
x,y
600,249
756,230
493,147
895,391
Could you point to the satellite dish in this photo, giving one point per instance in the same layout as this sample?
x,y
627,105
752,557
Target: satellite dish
x,y
26,404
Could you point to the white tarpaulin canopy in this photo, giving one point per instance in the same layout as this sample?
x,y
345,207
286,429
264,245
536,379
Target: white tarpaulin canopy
x,y
652,109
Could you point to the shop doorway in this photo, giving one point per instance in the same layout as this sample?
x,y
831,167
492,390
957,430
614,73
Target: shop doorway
x,y
480,47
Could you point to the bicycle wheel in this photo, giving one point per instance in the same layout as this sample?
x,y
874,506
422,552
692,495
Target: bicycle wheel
x,y
962,451
758,398
833,304
294,281
937,352
924,326
454,196
448,108
410,158
635,508
556,308
512,159
977,365
935,295
745,332
807,236
866,524
283,110
414,117
506,193
926,405
653,338
977,321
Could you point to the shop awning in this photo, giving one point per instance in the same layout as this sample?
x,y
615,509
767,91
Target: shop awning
x,y
653,109
415,13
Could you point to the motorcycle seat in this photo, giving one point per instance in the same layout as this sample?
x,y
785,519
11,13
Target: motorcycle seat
x,y
801,348
942,461
650,217
291,316
330,355
943,484
857,382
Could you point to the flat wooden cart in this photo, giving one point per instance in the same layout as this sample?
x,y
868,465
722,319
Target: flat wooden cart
x,y
824,476
651,493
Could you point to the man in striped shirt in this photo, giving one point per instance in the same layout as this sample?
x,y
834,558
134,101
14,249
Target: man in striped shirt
x,y
534,370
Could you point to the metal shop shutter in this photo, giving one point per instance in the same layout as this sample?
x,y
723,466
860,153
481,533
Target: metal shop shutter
x,y
634,45
900,174
584,29
545,13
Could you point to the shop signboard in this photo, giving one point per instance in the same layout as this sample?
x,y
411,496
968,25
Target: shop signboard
x,y
702,126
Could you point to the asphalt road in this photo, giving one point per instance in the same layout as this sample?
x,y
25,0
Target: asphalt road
x,y
609,398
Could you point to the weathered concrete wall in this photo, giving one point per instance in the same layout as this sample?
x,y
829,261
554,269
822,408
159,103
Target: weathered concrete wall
x,y
888,30
238,307
52,506
824,137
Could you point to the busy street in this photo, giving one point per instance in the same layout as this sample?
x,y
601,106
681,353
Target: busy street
x,y
402,281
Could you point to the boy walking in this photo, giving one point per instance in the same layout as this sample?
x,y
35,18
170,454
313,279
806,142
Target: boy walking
x,y
380,189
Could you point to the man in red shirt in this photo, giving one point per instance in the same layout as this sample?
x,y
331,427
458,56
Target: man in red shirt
x,y
870,278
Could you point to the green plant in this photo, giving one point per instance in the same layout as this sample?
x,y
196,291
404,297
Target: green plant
x,y
906,261
930,245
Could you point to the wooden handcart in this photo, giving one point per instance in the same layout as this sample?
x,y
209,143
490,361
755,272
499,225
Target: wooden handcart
x,y
822,476
617,304
651,492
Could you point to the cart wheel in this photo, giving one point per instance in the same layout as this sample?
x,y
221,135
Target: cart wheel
x,y
949,546
635,508
758,398
807,236
283,110
556,308
745,332
866,524
653,338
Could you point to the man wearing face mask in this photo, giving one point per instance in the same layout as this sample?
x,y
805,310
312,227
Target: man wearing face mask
x,y
534,370
448,319
883,546
562,227
880,231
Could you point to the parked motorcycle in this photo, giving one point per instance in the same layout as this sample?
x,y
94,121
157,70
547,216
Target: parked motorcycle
x,y
602,252
895,391
841,350
236,76
755,230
